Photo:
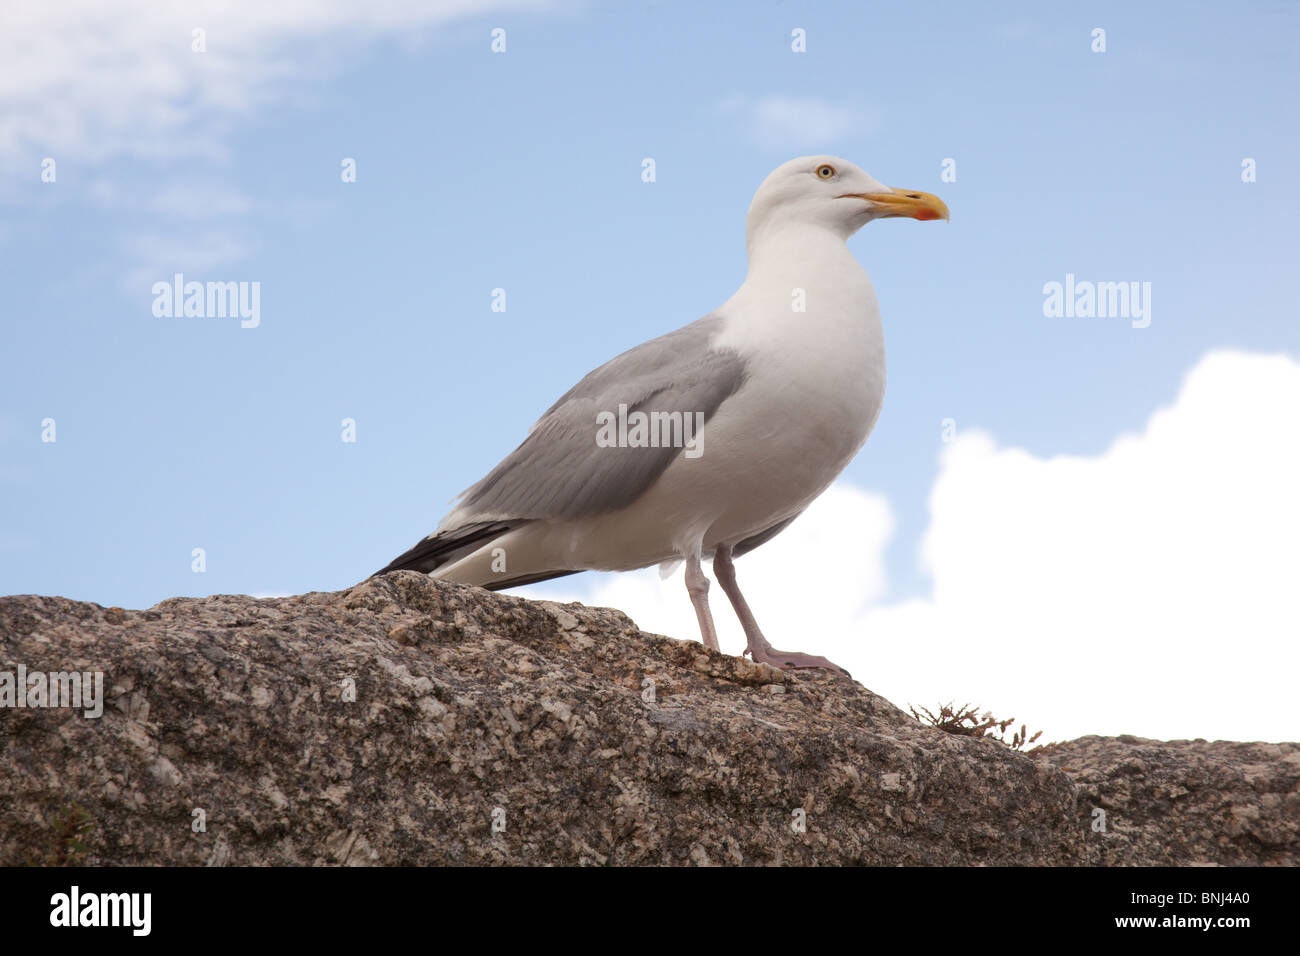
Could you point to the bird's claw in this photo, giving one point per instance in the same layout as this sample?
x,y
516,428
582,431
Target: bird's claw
x,y
793,660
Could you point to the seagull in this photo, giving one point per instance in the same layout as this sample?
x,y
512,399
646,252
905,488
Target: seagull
x,y
709,440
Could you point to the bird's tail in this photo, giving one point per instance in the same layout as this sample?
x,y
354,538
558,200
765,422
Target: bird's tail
x,y
444,548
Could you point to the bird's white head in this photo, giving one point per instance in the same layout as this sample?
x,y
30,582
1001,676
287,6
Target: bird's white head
x,y
831,193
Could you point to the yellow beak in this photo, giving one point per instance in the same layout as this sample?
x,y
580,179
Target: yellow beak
x,y
905,202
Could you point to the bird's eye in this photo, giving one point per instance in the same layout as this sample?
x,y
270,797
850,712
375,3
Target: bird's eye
x,y
825,171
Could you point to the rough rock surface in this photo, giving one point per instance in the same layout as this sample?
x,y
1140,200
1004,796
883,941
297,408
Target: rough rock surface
x,y
489,729
1182,801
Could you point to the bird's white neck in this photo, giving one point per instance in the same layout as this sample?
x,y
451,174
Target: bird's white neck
x,y
774,248
807,270
807,323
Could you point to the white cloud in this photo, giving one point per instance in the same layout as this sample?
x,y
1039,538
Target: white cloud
x,y
100,78
789,122
1151,589
85,81
199,201
187,200
158,256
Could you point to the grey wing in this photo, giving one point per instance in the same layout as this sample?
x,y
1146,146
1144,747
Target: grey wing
x,y
763,537
561,472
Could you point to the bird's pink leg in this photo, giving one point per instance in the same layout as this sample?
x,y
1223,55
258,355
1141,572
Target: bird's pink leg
x,y
759,649
697,586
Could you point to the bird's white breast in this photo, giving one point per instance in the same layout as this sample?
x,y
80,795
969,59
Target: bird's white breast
x,y
814,385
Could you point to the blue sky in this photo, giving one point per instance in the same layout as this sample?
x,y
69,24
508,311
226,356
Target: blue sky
x,y
522,170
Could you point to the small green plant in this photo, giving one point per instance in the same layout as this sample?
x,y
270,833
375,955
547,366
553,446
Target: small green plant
x,y
967,721
70,832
